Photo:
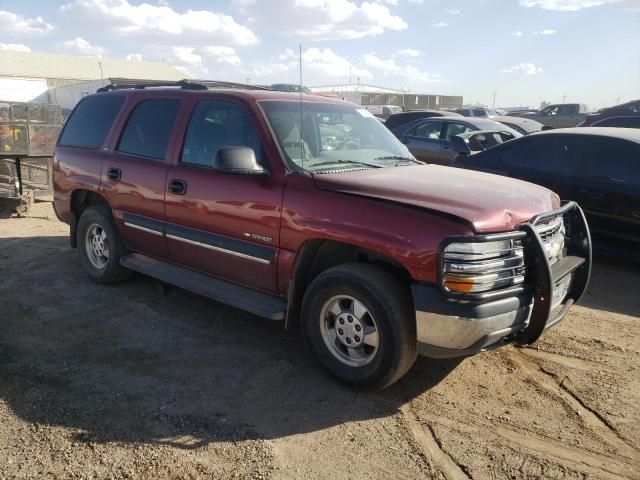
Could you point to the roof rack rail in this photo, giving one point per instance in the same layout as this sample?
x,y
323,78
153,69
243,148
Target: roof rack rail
x,y
184,84
130,84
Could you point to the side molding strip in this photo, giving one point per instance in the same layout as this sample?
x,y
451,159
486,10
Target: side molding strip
x,y
218,249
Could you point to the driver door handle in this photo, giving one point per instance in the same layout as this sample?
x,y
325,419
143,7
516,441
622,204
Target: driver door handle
x,y
177,186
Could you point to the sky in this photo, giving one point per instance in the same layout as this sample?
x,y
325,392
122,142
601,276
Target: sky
x,y
524,51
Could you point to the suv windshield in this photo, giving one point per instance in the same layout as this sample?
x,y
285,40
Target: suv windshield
x,y
320,136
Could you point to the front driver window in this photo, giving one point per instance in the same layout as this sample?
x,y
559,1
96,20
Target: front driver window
x,y
218,124
428,130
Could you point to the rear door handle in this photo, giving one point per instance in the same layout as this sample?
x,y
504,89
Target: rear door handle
x,y
591,193
114,174
177,187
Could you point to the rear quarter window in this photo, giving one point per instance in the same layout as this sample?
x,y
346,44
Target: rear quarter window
x,y
91,121
618,161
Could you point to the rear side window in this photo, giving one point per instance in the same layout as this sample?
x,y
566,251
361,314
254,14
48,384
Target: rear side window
x,y
149,127
557,155
91,121
456,129
478,112
617,161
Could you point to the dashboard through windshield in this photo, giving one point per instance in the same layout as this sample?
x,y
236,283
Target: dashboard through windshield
x,y
323,136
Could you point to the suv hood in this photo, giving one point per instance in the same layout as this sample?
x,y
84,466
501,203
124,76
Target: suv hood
x,y
491,203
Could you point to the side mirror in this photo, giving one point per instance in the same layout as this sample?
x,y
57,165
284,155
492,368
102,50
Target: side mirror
x,y
459,146
237,161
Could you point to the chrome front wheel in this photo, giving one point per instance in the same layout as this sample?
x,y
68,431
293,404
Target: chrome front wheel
x,y
349,330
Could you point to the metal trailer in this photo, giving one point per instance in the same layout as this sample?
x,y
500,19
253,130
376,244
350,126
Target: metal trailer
x,y
28,134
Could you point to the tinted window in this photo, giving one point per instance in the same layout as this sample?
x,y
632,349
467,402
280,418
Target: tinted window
x,y
149,127
215,125
91,121
479,112
613,160
456,129
558,155
427,130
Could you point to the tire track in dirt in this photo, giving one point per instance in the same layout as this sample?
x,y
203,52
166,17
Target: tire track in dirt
x,y
599,465
431,447
591,419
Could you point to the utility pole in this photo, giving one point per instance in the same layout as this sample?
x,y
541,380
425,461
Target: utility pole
x,y
350,79
247,79
618,101
494,100
564,97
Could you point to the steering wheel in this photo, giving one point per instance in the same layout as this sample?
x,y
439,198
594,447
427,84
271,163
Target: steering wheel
x,y
348,145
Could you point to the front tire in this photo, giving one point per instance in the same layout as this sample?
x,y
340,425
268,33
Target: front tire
x,y
358,324
100,247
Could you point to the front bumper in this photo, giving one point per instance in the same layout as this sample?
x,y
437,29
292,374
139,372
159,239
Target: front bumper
x,y
453,325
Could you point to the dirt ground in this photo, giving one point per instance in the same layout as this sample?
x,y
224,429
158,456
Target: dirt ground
x,y
125,382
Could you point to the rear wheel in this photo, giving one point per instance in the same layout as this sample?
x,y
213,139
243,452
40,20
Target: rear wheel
x,y
358,324
99,246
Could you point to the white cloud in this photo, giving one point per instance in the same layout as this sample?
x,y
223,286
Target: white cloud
x,y
320,19
453,12
417,2
407,52
81,47
390,68
517,33
134,57
15,24
221,55
546,31
439,24
17,47
160,24
525,68
319,65
574,5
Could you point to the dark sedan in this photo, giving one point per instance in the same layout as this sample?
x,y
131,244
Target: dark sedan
x,y
398,119
598,167
629,109
429,139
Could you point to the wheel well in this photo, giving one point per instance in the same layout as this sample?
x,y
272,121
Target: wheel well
x,y
316,256
80,201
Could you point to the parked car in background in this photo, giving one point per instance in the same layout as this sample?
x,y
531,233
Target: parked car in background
x,y
383,111
289,87
558,115
523,125
476,112
620,122
597,167
429,139
628,109
398,119
375,257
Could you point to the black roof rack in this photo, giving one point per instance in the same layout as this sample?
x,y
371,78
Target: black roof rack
x,y
185,84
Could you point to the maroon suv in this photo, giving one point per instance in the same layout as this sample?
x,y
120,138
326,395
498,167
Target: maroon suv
x,y
308,210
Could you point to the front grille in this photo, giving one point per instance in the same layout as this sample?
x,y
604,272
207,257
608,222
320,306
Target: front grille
x,y
552,234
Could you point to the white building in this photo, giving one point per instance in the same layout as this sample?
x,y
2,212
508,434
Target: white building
x,y
64,79
363,94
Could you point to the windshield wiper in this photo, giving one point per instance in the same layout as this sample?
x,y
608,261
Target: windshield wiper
x,y
398,157
355,162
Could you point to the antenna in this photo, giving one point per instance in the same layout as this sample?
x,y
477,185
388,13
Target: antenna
x,y
300,88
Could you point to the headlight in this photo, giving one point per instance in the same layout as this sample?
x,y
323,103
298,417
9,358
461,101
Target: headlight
x,y
471,267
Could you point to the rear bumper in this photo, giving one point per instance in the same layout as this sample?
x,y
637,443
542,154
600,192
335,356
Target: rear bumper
x,y
455,326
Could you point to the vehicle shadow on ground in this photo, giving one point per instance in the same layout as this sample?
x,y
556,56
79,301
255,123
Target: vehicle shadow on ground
x,y
130,364
624,275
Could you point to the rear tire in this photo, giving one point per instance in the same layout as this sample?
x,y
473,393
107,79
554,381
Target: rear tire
x,y
100,247
358,323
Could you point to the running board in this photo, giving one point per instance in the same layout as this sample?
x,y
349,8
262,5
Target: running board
x,y
213,288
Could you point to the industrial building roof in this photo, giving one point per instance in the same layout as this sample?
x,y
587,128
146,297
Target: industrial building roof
x,y
76,67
